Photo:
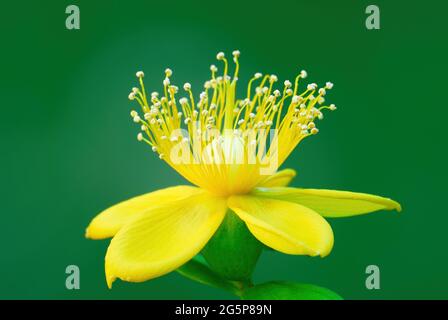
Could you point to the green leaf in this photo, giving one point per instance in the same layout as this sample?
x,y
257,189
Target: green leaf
x,y
233,251
197,270
285,290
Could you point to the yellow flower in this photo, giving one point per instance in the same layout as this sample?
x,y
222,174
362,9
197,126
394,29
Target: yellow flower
x,y
230,149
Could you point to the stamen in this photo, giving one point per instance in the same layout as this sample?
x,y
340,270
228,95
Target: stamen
x,y
201,128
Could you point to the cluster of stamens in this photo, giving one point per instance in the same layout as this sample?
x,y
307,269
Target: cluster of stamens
x,y
166,121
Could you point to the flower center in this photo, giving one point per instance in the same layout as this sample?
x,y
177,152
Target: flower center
x,y
221,143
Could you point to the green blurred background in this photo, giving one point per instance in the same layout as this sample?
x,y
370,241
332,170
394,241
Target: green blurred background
x,y
69,148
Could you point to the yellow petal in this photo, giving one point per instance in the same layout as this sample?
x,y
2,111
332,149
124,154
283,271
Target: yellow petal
x,y
287,227
279,179
330,203
107,223
163,238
